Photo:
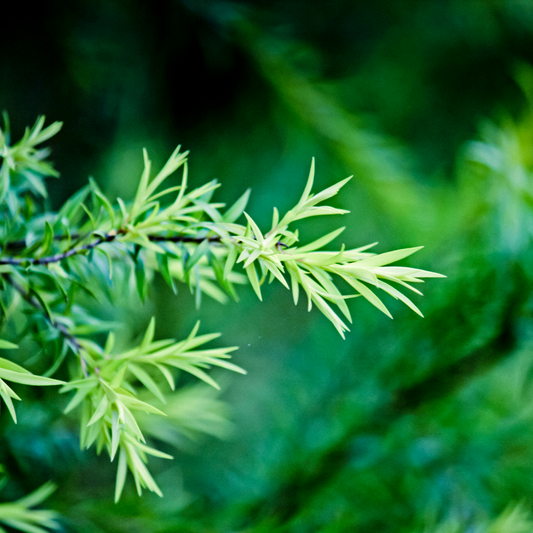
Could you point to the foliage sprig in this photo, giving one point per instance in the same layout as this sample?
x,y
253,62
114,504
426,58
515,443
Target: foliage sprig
x,y
20,515
47,260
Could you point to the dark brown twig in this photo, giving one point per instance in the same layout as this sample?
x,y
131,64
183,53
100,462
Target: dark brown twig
x,y
108,237
21,244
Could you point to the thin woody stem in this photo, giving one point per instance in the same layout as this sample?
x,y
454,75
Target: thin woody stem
x,y
108,237
57,257
21,244
27,296
181,238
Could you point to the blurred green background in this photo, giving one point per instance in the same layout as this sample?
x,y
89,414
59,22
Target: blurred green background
x,y
410,425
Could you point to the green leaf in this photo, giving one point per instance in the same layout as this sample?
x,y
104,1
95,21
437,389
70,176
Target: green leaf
x,y
84,383
320,243
205,191
368,294
41,301
220,277
140,278
109,343
111,394
320,211
48,239
230,260
140,197
100,411
7,127
7,393
36,183
166,374
50,274
399,296
104,202
13,372
39,135
308,185
61,354
72,206
276,272
116,381
387,257
326,193
123,209
275,219
150,451
6,345
170,190
109,261
37,496
131,402
147,381
4,180
294,272
196,372
332,291
255,229
80,395
148,336
200,251
236,210
140,472
121,473
116,431
90,216
162,261
210,210
326,310
173,163
254,280
23,526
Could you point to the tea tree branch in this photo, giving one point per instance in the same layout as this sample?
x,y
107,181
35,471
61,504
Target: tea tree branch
x,y
186,237
18,245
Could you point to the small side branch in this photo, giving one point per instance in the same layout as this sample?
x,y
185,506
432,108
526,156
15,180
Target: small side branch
x,y
108,237
29,298
56,258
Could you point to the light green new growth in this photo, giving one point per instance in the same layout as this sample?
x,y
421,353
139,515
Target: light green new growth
x,y
19,515
276,253
109,395
47,259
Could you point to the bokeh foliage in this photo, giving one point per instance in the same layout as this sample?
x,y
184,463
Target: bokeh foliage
x,y
407,425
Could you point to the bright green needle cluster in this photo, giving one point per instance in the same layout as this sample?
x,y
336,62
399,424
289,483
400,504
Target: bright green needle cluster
x,y
19,515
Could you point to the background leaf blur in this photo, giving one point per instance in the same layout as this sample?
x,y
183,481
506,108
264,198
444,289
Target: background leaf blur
x,y
407,425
